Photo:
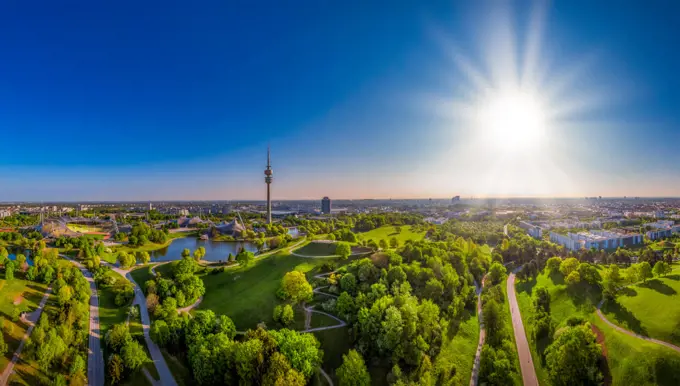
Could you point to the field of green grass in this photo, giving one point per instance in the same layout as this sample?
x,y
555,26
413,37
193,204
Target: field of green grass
x,y
650,309
248,295
28,294
84,228
388,231
334,343
317,249
628,358
109,312
460,350
141,275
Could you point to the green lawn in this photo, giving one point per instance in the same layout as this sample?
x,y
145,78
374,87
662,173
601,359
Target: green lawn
x,y
141,275
248,295
388,231
460,350
628,358
28,295
650,309
317,249
109,312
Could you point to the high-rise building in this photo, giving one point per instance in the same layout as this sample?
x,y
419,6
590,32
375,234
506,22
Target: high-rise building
x,y
455,199
326,205
268,180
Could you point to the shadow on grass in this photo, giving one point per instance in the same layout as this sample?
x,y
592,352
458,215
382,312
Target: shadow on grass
x,y
675,277
666,370
624,317
659,286
585,296
628,291
557,278
526,286
454,325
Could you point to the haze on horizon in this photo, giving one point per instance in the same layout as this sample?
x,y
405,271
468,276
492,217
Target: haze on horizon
x,y
132,101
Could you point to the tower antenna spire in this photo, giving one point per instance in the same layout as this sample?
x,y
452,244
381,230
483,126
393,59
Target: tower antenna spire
x,y
268,180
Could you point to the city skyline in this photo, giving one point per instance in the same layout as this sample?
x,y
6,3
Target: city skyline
x,y
178,104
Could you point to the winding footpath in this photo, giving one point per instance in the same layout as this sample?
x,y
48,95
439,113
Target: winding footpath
x,y
631,333
95,356
166,378
32,320
474,377
525,360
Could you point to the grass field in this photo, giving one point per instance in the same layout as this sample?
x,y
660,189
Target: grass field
x,y
460,350
388,231
628,358
29,295
317,249
650,309
141,275
334,343
84,228
248,295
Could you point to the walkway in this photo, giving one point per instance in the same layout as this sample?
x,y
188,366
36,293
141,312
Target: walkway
x,y
95,356
525,360
474,377
32,320
631,333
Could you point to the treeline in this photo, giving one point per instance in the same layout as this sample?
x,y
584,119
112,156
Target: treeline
x,y
481,232
165,294
401,310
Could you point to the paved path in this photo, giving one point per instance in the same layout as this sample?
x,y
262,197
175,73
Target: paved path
x,y
156,356
525,361
631,333
190,307
474,377
32,320
95,356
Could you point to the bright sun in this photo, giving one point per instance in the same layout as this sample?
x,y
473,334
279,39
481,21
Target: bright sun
x,y
512,120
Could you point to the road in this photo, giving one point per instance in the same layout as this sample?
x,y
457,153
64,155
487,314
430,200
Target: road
x,y
631,333
95,356
32,320
525,361
474,377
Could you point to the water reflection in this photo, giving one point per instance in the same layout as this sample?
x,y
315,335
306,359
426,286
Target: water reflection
x,y
214,250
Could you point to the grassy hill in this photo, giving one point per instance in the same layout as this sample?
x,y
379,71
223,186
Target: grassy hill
x,y
629,360
388,231
650,309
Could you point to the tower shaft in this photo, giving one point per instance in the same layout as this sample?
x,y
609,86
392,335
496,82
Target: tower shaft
x,y
268,180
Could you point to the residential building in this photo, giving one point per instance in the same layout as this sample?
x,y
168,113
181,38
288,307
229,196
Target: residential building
x,y
596,239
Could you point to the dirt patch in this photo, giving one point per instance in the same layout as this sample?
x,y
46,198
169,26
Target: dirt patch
x,y
604,363
380,260
18,300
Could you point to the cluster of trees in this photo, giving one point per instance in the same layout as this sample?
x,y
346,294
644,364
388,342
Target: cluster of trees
x,y
164,295
264,357
128,259
400,310
142,234
367,222
573,358
481,232
497,366
125,354
59,340
26,239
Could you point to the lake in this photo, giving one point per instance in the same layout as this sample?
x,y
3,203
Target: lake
x,y
214,250
14,251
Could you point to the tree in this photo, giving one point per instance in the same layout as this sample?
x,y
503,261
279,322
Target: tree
x,y
383,244
287,315
659,268
542,299
280,373
244,258
343,250
294,286
186,253
553,265
493,321
133,355
160,333
573,278
353,371
3,345
568,266
118,336
144,257
394,243
301,350
9,271
78,365
645,271
199,253
497,273
572,359
116,369
348,282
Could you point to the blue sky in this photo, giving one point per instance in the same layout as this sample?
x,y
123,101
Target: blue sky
x,y
159,100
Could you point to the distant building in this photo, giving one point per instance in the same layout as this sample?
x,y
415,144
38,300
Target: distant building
x,y
596,239
5,213
326,205
150,206
534,231
455,199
